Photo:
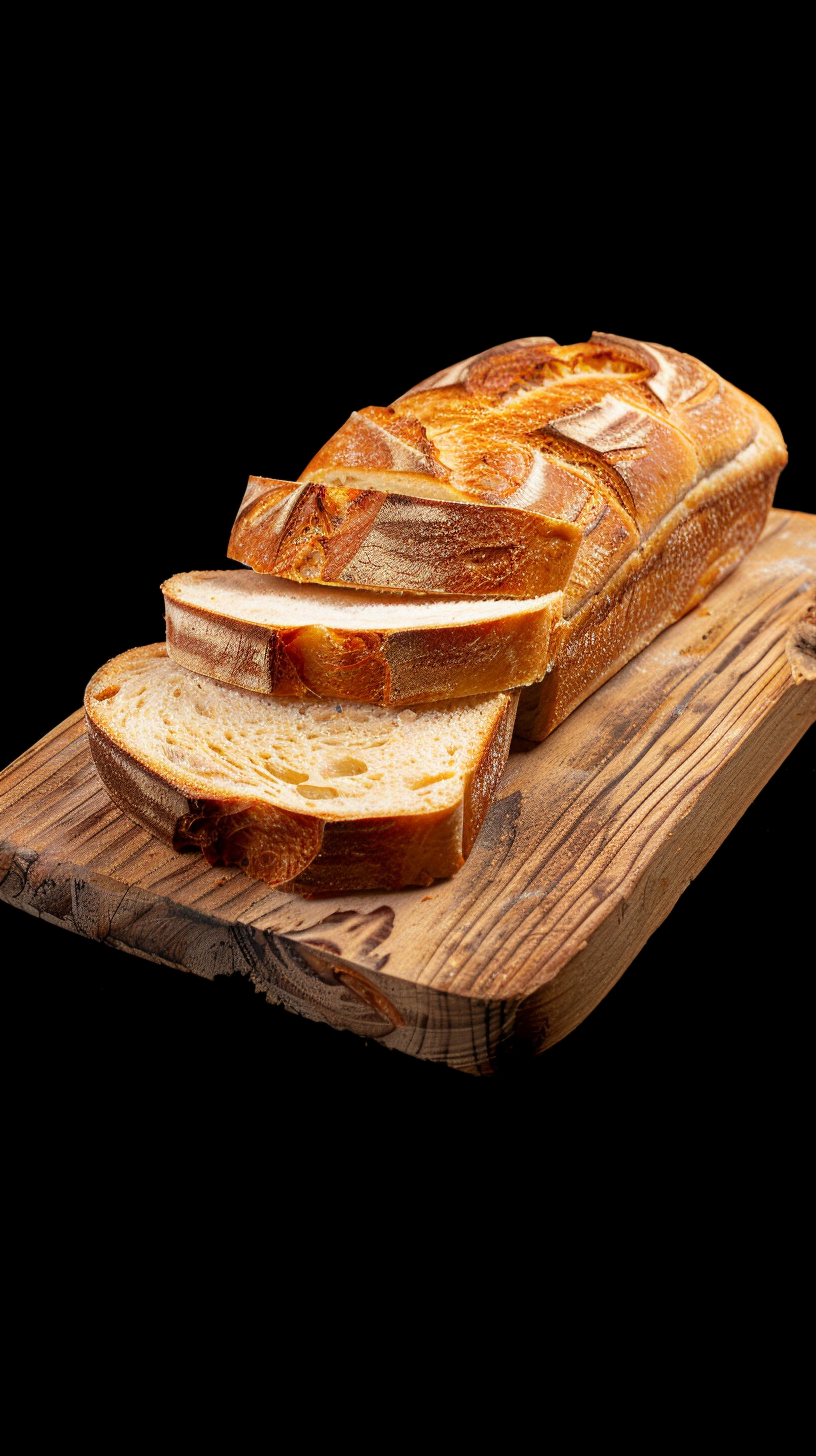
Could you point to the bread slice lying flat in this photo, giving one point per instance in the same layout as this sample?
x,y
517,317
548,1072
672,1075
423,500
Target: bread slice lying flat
x,y
315,795
274,636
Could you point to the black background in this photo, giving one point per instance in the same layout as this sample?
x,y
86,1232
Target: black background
x,y
178,338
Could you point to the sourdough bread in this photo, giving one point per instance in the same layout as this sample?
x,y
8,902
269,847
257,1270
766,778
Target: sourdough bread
x,y
273,636
474,475
319,796
663,472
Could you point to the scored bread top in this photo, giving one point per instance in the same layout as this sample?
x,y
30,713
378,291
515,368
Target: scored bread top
x,y
602,438
541,426
338,760
275,602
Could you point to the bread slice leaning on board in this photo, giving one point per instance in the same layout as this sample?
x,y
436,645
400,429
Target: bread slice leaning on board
x,y
317,796
628,475
273,636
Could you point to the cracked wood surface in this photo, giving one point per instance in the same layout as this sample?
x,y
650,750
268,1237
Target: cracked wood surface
x,y
594,835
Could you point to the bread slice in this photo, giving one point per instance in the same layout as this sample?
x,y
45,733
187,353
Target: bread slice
x,y
274,636
399,533
318,796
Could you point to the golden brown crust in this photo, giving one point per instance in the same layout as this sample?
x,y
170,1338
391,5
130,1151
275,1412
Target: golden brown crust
x,y
393,667
605,437
352,536
376,439
304,852
692,550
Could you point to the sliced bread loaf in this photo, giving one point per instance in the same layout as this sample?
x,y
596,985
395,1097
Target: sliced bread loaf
x,y
526,469
274,636
320,796
665,471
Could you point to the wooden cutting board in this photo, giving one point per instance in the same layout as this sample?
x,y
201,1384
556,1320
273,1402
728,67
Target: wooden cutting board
x,y
593,837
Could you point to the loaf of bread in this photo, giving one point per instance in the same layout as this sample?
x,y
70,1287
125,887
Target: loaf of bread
x,y
319,796
628,475
274,636
530,518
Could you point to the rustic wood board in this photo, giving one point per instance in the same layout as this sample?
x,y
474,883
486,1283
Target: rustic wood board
x,y
592,839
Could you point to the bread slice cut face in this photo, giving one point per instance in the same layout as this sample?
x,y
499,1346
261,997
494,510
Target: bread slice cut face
x,y
319,796
275,636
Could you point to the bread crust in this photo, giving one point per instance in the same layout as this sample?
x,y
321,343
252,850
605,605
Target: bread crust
x,y
393,667
694,548
305,852
386,541
462,483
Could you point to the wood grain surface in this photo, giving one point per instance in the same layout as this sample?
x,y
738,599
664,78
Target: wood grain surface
x,y
593,837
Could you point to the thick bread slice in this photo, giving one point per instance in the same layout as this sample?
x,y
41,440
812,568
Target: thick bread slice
x,y
273,636
393,535
464,483
319,796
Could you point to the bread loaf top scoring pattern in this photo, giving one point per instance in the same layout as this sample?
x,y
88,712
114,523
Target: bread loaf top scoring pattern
x,y
590,445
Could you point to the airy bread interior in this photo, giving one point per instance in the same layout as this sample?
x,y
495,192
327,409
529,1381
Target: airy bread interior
x,y
350,760
250,596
